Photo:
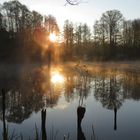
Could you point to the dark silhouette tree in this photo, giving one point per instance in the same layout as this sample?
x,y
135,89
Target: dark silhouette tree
x,y
112,21
136,32
100,32
51,24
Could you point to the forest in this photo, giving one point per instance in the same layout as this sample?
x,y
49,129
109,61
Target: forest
x,y
24,36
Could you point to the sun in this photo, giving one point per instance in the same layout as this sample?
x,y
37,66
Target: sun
x,y
52,37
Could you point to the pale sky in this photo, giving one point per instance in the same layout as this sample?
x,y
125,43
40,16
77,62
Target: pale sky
x,y
86,12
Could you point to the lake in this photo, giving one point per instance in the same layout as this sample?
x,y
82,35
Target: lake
x,y
81,102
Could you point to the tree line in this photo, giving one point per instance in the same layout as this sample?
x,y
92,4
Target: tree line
x,y
113,38
23,33
24,36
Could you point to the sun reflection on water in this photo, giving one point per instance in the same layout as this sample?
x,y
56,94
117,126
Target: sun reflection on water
x,y
57,78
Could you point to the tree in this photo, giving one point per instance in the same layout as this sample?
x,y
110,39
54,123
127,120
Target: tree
x,y
6,7
2,17
112,21
37,19
136,32
1,20
86,34
100,32
26,20
78,39
78,35
127,33
50,24
68,34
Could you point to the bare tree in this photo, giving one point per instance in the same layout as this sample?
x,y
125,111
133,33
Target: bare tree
x,y
50,24
112,20
100,32
73,2
136,32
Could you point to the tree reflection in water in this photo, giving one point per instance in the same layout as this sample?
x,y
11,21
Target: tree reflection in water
x,y
111,89
31,91
108,92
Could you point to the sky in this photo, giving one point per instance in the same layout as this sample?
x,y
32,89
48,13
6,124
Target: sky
x,y
86,12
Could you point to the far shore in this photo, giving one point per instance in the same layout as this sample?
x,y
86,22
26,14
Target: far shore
x,y
117,65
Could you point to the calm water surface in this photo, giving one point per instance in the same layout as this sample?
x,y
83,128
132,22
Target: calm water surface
x,y
111,100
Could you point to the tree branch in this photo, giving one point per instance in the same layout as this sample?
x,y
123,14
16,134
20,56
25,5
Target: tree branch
x,y
73,2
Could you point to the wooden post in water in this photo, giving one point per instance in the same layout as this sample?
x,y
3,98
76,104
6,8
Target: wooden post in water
x,y
80,115
43,124
5,137
115,118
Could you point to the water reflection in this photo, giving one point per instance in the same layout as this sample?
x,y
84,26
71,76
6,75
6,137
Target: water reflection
x,y
31,91
57,78
109,92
